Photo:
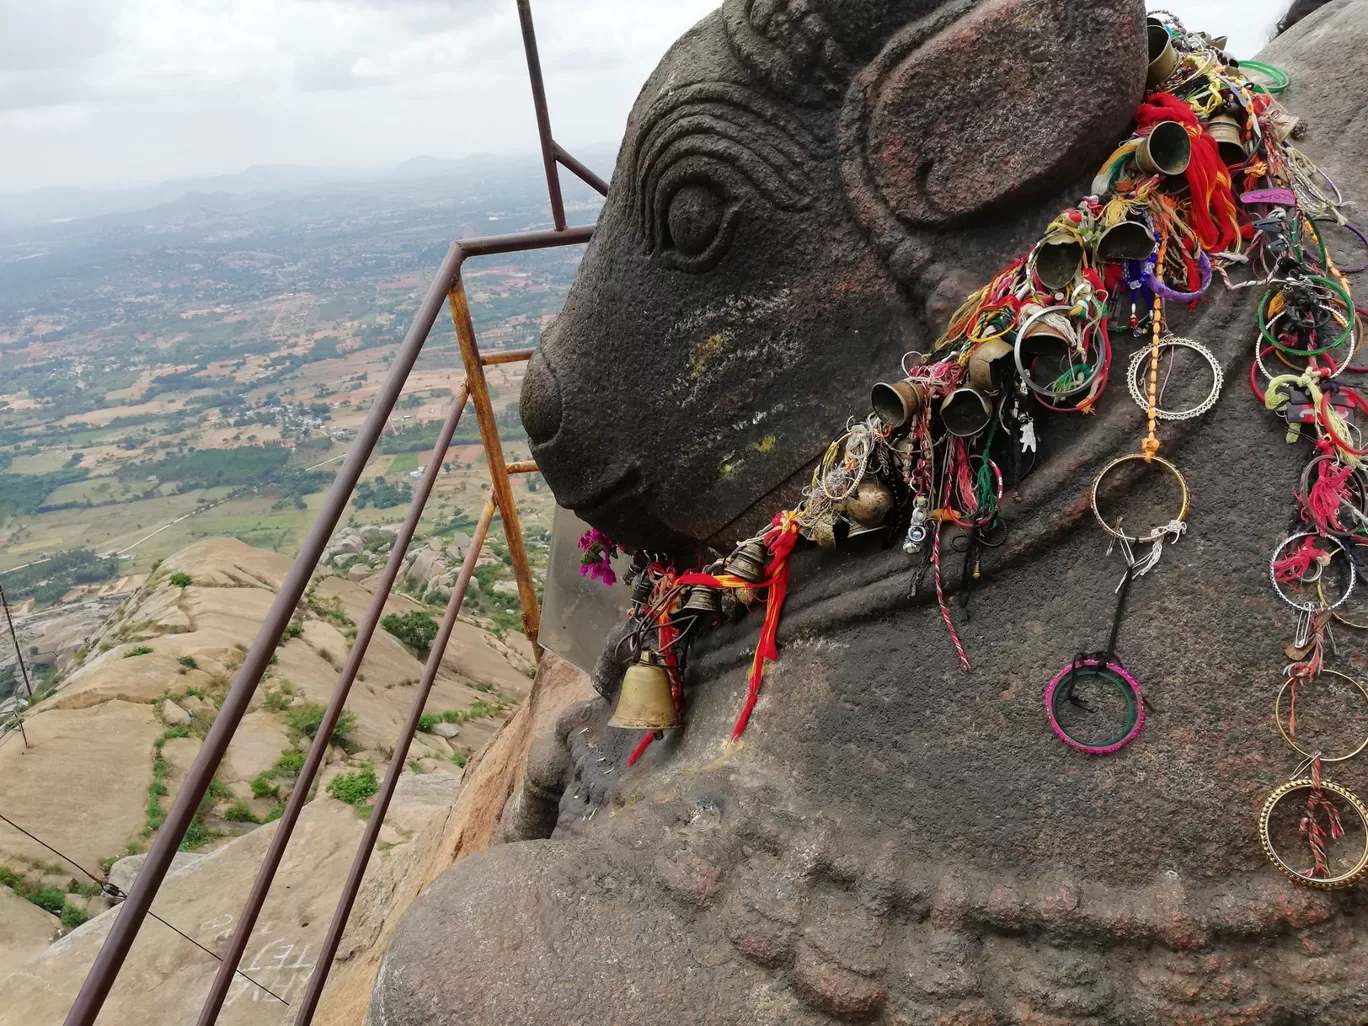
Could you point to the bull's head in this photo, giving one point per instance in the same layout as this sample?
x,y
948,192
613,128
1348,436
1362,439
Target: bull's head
x,y
806,189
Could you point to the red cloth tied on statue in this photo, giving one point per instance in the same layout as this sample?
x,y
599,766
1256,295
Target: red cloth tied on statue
x,y
1214,216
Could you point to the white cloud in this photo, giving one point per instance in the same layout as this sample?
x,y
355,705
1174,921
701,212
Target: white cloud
x,y
104,92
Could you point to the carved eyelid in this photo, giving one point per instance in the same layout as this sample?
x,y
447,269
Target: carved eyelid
x,y
738,129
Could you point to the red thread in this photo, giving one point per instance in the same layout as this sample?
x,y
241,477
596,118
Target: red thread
x,y
1295,565
1214,216
1311,828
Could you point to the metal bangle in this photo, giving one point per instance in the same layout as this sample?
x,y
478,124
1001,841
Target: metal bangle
x,y
1346,879
1218,379
1277,718
1114,674
1026,378
1158,532
1310,607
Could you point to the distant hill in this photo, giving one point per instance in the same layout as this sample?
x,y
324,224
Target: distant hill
x,y
64,203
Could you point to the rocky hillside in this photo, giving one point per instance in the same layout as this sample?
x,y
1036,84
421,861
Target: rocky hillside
x,y
112,738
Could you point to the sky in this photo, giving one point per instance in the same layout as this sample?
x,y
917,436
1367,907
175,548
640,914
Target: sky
x,y
131,92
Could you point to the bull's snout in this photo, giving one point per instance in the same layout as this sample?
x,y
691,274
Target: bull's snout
x,y
540,404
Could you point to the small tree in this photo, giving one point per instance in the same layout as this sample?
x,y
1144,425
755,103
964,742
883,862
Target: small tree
x,y
180,579
415,629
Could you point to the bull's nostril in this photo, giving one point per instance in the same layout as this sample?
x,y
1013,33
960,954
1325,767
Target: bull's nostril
x,y
540,403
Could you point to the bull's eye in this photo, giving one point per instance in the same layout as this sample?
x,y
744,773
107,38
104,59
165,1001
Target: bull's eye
x,y
695,219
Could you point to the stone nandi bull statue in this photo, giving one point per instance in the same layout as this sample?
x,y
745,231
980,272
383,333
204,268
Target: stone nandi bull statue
x,y
805,191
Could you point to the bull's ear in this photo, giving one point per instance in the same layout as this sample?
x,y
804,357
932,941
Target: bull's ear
x,y
982,103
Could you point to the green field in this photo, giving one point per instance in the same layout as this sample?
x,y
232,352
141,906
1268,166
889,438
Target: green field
x,y
403,463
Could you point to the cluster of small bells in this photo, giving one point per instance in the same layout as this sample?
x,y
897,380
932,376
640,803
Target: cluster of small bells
x,y
943,440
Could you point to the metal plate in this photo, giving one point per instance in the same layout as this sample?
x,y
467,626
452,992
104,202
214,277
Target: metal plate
x,y
578,611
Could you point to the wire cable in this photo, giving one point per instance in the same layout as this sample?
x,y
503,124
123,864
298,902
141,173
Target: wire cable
x,y
110,889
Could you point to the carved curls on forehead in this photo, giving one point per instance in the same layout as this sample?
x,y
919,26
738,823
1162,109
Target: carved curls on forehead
x,y
725,138
808,50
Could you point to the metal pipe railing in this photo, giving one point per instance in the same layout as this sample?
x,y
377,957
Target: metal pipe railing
x,y
133,911
323,963
548,144
500,484
506,356
365,631
446,284
576,168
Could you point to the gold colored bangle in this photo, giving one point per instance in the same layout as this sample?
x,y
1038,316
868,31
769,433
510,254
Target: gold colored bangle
x,y
1354,875
1277,718
1157,532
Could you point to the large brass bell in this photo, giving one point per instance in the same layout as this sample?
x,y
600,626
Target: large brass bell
x,y
1167,150
646,701
748,562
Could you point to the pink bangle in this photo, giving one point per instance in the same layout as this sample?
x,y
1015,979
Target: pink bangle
x,y
1119,672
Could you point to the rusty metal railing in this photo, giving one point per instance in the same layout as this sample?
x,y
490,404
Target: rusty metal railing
x,y
447,288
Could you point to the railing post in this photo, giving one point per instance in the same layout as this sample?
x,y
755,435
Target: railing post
x,y
548,145
365,631
323,964
500,483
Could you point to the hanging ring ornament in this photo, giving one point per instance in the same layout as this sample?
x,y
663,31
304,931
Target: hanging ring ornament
x,y
1061,689
1351,876
1158,532
1138,363
1051,393
1287,734
1310,607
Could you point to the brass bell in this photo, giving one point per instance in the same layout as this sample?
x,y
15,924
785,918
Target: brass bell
x,y
1058,260
965,412
897,402
986,364
870,505
1167,150
1229,138
646,701
1125,240
702,601
748,562
1163,58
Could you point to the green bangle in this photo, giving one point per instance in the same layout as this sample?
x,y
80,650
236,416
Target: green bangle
x,y
1333,287
1280,78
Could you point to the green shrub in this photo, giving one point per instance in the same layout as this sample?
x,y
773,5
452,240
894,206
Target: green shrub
x,y
85,890
262,787
277,810
478,710
308,718
459,758
277,701
355,788
188,662
238,812
415,629
292,631
289,764
138,650
50,899
73,917
181,580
